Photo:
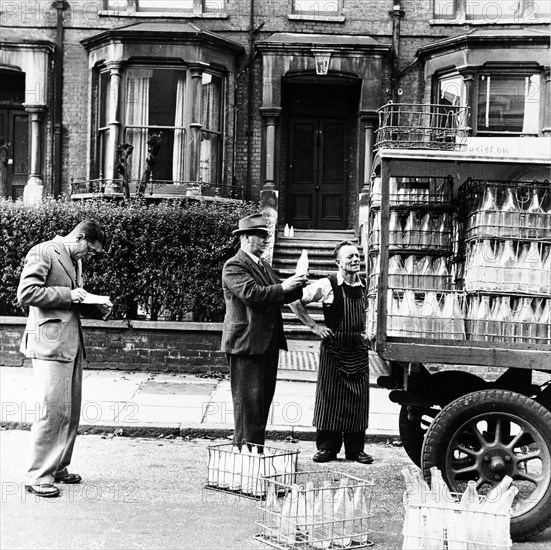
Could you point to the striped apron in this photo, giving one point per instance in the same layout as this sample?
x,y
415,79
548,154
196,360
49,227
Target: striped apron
x,y
342,391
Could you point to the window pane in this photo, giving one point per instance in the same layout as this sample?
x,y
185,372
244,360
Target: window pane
x,y
209,161
541,9
316,6
451,91
103,99
213,6
164,5
493,11
212,96
508,104
445,9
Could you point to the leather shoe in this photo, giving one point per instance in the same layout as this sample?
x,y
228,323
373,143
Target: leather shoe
x,y
324,456
69,479
360,457
46,490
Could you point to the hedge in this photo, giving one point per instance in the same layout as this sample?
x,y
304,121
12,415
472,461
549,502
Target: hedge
x,y
165,258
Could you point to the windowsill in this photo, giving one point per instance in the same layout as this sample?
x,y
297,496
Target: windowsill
x,y
318,18
164,15
462,22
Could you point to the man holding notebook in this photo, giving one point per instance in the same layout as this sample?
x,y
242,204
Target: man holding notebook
x,y
51,285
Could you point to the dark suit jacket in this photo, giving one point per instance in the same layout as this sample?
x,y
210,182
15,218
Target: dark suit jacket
x,y
253,302
53,329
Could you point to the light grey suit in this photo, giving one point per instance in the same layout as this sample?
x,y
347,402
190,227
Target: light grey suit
x,y
54,342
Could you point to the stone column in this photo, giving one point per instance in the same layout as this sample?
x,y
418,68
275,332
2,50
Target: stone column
x,y
196,71
270,115
114,125
546,98
269,194
469,76
368,121
34,189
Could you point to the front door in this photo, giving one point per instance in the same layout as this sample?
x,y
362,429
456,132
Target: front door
x,y
14,152
317,173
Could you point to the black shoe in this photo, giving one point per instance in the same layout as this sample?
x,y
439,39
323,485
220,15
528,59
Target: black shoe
x,y
69,479
324,456
46,490
360,457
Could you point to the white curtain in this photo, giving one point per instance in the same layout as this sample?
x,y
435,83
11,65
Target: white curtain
x,y
531,105
178,154
137,114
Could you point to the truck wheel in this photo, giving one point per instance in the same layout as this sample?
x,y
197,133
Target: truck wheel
x,y
488,434
445,386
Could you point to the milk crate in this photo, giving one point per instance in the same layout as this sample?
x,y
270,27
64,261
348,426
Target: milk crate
x,y
320,509
242,471
445,525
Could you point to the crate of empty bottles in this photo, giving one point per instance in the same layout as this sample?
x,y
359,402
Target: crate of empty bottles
x,y
321,509
242,469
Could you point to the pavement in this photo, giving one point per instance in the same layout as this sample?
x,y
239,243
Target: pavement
x,y
155,404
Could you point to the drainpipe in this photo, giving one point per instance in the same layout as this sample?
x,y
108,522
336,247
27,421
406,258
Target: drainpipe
x,y
250,99
60,6
396,13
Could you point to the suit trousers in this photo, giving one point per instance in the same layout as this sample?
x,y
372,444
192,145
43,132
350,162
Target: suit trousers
x,y
253,381
332,441
54,432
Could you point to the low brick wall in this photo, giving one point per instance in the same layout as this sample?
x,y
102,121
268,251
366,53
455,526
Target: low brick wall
x,y
150,346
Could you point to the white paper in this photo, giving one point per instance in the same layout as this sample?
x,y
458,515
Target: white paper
x,y
97,300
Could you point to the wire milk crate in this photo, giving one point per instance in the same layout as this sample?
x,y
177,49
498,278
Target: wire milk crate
x,y
322,509
242,471
445,524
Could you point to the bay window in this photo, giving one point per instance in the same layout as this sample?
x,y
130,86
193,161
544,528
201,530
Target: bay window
x,y
158,101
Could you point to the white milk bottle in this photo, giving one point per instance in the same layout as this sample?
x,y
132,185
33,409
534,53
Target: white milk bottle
x,y
395,230
510,214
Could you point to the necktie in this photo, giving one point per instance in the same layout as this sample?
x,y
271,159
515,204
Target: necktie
x,y
264,270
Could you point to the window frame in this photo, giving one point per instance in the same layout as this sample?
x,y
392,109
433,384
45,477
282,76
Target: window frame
x,y
460,14
512,74
326,16
198,7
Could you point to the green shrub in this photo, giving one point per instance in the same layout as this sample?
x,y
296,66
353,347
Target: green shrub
x,y
165,258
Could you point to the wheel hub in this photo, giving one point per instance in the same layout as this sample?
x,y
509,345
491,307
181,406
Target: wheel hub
x,y
496,464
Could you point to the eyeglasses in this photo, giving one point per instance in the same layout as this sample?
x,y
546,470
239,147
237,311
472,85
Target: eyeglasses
x,y
90,250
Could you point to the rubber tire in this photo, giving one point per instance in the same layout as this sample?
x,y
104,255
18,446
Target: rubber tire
x,y
458,383
466,408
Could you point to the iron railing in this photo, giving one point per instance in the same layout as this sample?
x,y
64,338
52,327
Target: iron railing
x,y
421,126
157,189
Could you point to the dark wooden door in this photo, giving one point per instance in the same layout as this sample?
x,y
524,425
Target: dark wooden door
x,y
14,131
317,173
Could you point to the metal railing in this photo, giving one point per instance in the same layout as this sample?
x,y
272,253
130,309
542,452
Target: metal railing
x,y
422,126
157,189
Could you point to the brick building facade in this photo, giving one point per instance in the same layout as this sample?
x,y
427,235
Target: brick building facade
x,y
253,95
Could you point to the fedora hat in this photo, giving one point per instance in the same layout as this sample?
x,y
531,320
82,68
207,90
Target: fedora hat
x,y
251,224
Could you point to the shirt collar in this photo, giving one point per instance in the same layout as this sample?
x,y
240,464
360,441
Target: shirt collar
x,y
254,258
357,282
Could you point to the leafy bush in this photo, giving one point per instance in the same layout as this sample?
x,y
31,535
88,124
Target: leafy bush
x,y
166,258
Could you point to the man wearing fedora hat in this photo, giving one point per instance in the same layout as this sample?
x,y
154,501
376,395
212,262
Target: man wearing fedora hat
x,y
253,328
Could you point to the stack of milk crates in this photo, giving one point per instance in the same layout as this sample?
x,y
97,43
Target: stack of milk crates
x,y
507,254
474,267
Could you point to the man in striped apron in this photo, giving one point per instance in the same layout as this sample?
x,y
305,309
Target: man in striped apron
x,y
342,394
